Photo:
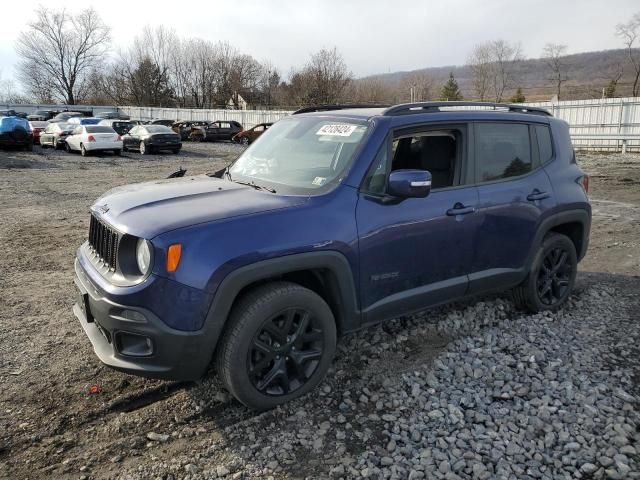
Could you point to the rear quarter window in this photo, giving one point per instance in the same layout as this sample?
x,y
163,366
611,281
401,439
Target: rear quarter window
x,y
502,150
545,146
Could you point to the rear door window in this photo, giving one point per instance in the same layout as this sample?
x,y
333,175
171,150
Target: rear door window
x,y
502,150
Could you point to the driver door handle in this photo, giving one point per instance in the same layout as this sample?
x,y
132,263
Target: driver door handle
x,y
460,209
537,195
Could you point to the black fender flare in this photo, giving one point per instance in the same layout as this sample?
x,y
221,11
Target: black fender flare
x,y
580,215
333,262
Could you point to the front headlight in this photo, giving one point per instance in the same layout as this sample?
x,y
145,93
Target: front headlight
x,y
143,255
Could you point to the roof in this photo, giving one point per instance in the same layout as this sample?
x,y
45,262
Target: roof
x,y
471,109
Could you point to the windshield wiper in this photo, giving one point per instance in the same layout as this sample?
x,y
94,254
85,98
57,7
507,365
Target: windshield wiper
x,y
254,185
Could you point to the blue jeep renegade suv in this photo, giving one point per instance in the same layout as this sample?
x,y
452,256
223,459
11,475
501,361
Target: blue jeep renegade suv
x,y
338,217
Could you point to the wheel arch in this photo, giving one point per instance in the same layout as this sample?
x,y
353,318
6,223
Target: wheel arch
x,y
575,224
327,273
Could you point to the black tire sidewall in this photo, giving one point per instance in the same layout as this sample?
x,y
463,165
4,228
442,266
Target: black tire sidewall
x,y
238,380
549,243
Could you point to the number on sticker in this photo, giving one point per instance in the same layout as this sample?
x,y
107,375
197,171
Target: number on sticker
x,y
337,129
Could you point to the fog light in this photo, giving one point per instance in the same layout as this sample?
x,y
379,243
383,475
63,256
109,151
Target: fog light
x,y
133,345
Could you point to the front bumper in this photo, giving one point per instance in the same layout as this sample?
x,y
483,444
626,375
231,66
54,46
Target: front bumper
x,y
134,340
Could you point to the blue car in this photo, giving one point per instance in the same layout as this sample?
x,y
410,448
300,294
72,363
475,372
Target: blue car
x,y
84,120
338,217
15,132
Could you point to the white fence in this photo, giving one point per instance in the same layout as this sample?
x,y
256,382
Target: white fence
x,y
611,124
608,124
248,118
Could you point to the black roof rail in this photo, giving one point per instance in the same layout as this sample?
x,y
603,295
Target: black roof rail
x,y
425,107
343,106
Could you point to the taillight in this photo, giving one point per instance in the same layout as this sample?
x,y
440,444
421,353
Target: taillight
x,y
91,138
119,138
583,181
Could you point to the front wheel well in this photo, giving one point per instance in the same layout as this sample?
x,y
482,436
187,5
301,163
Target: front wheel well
x,y
321,281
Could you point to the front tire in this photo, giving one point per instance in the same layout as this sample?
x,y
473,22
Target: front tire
x,y
143,149
67,148
552,276
278,345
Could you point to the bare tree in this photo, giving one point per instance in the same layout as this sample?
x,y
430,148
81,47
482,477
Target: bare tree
x,y
327,76
554,57
630,34
504,59
417,86
62,50
480,64
492,67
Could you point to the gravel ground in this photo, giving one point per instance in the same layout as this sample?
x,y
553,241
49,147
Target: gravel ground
x,y
471,390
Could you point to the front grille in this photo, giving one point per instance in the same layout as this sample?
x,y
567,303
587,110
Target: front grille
x,y
104,242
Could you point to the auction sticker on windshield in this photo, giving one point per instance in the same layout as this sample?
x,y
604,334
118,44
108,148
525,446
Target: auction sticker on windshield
x,y
337,129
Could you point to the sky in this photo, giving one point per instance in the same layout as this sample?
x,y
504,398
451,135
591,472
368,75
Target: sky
x,y
374,36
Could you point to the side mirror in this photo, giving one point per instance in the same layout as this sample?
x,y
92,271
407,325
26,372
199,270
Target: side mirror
x,y
409,183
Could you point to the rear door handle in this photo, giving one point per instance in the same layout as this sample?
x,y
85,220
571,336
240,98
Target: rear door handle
x,y
537,195
460,209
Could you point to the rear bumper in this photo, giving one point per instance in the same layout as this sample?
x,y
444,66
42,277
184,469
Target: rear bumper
x,y
164,146
7,140
95,146
133,339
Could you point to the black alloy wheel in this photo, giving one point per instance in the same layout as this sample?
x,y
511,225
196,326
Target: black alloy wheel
x,y
554,276
551,277
285,352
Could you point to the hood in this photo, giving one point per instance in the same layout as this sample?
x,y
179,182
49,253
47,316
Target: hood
x,y
151,208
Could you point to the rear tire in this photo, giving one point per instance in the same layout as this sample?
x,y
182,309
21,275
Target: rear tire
x,y
176,151
244,141
83,151
117,152
552,276
54,144
278,345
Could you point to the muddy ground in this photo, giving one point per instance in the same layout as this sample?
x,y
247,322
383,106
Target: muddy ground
x,y
51,425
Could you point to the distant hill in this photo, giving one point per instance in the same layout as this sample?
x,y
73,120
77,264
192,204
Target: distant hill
x,y
588,73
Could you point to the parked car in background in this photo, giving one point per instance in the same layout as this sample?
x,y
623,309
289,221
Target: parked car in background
x,y
112,115
215,131
163,121
245,137
66,116
183,128
12,113
140,122
152,138
84,120
36,129
42,115
55,134
93,138
15,132
121,127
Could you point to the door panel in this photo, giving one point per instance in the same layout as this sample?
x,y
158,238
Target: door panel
x,y
414,253
511,207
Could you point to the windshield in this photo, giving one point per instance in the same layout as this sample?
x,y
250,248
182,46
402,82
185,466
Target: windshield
x,y
304,153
